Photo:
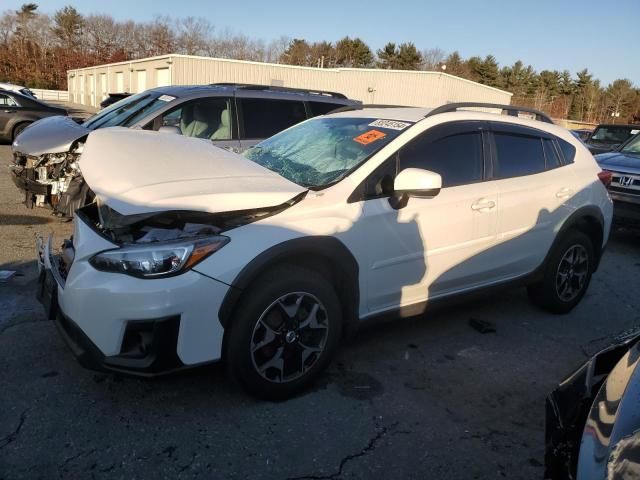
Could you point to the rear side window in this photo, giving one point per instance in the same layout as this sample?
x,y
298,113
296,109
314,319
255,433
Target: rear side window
x,y
263,118
322,108
551,154
518,155
7,101
568,151
457,158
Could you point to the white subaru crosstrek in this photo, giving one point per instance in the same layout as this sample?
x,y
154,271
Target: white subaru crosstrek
x,y
193,254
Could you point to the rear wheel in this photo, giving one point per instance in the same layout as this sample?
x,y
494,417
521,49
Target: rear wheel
x,y
18,129
567,274
284,332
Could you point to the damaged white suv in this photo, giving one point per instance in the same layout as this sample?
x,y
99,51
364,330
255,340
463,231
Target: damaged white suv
x,y
193,254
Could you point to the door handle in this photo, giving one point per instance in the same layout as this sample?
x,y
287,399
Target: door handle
x,y
483,205
564,193
9,111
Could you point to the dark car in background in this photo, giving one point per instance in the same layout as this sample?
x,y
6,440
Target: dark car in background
x,y
593,418
608,137
582,133
624,164
232,116
18,111
113,98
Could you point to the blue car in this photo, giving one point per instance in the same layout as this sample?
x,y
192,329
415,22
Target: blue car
x,y
624,164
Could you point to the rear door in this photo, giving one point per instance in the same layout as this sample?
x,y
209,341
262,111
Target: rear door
x,y
533,195
261,118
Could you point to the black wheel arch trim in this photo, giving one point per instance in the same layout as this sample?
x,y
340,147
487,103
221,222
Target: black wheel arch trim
x,y
334,254
588,213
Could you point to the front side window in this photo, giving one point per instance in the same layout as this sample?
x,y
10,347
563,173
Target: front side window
x,y
518,155
457,158
263,118
127,111
324,150
201,118
633,146
7,101
612,134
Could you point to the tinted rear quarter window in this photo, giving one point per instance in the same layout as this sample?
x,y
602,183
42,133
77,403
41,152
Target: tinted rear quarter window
x,y
263,118
551,154
457,158
518,155
568,151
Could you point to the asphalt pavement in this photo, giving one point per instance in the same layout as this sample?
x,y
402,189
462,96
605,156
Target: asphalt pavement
x,y
425,397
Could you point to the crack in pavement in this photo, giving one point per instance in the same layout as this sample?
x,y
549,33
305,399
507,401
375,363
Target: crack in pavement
x,y
6,440
66,462
372,445
15,324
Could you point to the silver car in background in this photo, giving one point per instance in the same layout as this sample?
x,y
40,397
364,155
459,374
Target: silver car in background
x,y
233,116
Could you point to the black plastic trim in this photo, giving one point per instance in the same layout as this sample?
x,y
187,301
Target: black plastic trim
x,y
512,110
331,251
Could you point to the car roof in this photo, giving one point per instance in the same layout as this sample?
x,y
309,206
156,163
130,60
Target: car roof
x,y
184,91
620,125
406,114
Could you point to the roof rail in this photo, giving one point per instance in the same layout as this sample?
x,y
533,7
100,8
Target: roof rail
x,y
349,108
250,86
512,110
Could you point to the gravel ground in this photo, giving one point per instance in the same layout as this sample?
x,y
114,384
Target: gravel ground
x,y
427,397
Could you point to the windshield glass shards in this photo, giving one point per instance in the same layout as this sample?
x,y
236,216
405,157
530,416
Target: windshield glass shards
x,y
322,151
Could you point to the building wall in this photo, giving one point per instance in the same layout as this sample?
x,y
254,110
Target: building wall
x,y
423,89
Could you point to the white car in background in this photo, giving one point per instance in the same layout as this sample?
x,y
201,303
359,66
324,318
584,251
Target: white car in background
x,y
194,254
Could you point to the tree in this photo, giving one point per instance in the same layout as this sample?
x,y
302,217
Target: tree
x,y
68,27
297,53
455,65
432,59
193,35
353,53
404,57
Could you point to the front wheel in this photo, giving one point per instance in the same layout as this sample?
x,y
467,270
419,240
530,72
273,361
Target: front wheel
x,y
566,275
284,332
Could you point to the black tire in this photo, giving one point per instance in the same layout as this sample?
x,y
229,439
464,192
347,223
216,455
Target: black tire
x,y
564,283
261,319
18,129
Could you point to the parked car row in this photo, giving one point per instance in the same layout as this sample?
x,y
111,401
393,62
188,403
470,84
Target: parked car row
x,y
231,116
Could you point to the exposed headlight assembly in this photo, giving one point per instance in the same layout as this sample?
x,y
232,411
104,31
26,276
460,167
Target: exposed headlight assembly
x,y
161,259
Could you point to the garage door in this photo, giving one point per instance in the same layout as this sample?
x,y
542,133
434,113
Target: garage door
x,y
119,82
141,81
163,77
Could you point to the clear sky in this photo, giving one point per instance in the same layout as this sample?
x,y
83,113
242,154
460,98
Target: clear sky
x,y
602,35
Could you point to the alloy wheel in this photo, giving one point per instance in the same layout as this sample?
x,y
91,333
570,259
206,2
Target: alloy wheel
x,y
572,273
289,337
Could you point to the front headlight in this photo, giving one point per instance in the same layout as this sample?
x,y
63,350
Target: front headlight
x,y
157,259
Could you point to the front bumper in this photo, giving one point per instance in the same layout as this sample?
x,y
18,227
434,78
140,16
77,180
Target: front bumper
x,y
24,179
141,327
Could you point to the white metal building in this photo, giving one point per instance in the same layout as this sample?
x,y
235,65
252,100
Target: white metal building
x,y
395,87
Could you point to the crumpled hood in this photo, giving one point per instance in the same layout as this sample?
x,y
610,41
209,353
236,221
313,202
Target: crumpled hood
x,y
49,135
137,171
619,162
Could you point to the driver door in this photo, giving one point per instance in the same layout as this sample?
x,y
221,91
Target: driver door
x,y
431,246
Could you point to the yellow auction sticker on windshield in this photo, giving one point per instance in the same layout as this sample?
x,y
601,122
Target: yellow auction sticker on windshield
x,y
369,137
